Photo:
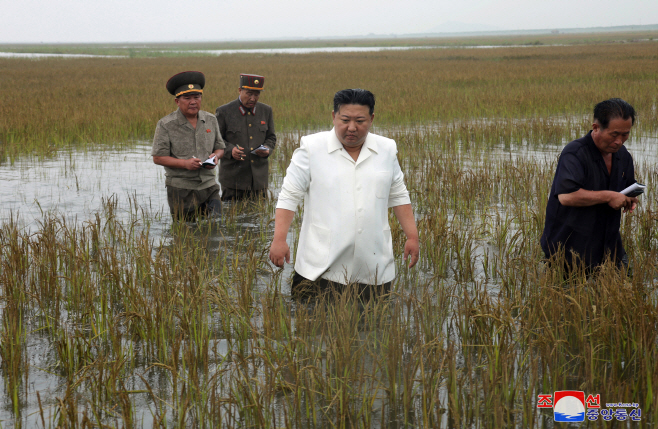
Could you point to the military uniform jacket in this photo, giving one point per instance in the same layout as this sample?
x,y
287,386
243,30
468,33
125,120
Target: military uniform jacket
x,y
248,131
175,136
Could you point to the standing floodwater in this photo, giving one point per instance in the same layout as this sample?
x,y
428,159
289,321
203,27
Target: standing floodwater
x,y
112,314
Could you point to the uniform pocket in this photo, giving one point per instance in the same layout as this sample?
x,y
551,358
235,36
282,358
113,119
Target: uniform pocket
x,y
318,243
262,127
382,183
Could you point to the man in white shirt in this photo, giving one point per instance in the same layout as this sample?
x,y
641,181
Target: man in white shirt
x,y
348,179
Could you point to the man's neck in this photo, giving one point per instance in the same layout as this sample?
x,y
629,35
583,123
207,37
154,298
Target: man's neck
x,y
245,108
192,120
353,151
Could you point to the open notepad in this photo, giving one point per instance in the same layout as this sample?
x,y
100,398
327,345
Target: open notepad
x,y
210,161
634,190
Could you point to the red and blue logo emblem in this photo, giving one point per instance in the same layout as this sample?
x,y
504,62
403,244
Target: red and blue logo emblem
x,y
569,406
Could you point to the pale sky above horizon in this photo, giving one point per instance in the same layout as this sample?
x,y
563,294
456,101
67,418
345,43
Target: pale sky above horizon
x,y
80,21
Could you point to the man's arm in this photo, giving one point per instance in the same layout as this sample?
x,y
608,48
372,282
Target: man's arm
x,y
270,137
585,198
171,162
279,251
405,216
221,121
162,146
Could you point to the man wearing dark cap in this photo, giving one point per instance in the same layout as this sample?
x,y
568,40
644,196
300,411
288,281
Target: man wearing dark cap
x,y
188,144
247,127
584,207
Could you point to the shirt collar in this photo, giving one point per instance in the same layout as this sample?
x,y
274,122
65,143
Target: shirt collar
x,y
182,120
594,149
335,144
244,110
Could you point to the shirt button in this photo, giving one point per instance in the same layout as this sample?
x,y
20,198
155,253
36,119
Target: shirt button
x,y
360,231
360,209
249,124
250,137
251,148
358,188
252,160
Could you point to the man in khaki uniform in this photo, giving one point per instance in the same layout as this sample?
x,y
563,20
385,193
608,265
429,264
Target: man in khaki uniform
x,y
246,125
188,144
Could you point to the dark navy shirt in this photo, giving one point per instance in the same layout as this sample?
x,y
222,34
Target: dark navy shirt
x,y
591,232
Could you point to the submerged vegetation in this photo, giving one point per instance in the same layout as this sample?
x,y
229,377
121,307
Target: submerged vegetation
x,y
108,324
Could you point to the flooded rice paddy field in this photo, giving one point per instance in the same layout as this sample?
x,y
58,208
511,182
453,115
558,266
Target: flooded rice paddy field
x,y
112,316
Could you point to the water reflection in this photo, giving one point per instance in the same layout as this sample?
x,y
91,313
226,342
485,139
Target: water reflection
x,y
267,51
74,183
53,55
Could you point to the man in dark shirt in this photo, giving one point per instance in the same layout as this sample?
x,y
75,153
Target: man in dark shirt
x,y
583,214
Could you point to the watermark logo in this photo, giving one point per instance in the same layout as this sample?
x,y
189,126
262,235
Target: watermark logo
x,y
569,406
574,406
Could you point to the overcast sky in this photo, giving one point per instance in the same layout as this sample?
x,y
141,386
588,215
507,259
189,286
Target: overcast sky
x,y
47,21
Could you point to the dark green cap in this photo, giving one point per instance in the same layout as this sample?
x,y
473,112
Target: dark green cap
x,y
251,81
186,82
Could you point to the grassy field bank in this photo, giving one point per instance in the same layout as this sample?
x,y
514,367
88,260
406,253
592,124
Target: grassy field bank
x,y
53,103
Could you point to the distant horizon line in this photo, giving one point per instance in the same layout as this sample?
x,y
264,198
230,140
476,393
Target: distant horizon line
x,y
542,31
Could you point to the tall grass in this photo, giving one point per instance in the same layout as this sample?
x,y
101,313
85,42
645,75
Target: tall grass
x,y
199,330
53,103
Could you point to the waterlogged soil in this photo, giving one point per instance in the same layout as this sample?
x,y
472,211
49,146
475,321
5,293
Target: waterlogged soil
x,y
77,184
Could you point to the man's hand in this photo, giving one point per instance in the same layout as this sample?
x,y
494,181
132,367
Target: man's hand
x,y
263,153
633,204
405,215
279,251
192,163
412,247
238,153
584,198
619,201
210,167
218,154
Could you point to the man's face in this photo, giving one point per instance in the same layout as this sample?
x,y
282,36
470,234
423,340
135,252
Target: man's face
x,y
611,139
249,97
189,104
352,123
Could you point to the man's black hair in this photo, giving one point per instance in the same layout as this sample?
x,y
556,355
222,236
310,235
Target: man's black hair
x,y
362,97
611,109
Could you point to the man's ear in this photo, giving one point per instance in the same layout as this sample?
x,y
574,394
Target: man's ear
x,y
333,115
596,127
